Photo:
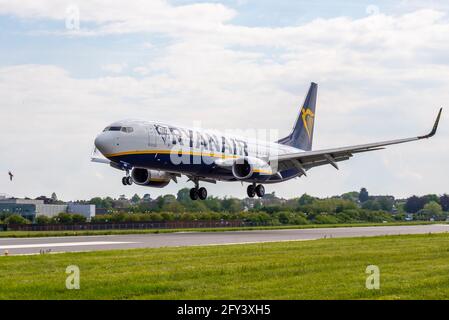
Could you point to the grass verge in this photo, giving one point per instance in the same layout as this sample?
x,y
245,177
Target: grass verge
x,y
29,234
411,267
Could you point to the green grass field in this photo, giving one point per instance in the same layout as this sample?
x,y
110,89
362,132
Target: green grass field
x,y
28,234
412,267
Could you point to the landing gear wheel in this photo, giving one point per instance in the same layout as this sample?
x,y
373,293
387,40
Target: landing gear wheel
x,y
194,194
260,191
124,182
129,180
251,191
202,193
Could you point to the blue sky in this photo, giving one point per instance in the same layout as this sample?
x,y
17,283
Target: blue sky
x,y
381,67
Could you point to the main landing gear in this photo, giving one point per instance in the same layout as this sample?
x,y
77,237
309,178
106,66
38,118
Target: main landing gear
x,y
127,181
198,193
253,190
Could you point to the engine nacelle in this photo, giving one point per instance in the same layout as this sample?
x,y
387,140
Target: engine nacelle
x,y
249,167
150,178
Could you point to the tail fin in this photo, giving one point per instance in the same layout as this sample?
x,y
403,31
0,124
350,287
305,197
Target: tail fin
x,y
301,136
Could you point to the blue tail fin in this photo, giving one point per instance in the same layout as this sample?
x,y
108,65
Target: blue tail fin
x,y
301,136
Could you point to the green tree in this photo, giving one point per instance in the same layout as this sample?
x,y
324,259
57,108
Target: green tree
x,y
325,219
352,196
431,197
414,204
386,203
78,218
197,206
63,217
106,203
444,202
305,199
183,195
43,220
54,197
173,206
432,210
213,204
135,198
16,219
372,205
363,195
232,205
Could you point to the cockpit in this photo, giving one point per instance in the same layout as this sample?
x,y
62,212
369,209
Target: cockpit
x,y
119,128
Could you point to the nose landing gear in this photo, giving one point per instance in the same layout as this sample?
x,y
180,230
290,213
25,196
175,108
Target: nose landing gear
x,y
253,190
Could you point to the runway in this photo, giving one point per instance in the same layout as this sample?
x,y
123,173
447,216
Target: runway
x,y
16,246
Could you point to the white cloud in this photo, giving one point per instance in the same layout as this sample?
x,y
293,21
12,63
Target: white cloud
x,y
120,16
381,77
115,67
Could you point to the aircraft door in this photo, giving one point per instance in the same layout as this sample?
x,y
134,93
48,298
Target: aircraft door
x,y
164,135
152,136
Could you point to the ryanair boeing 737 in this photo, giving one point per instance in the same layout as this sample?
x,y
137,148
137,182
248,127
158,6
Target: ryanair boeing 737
x,y
153,154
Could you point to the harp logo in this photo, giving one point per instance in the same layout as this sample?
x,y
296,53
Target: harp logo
x,y
307,119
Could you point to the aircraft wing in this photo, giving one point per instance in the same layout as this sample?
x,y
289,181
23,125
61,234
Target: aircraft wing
x,y
303,161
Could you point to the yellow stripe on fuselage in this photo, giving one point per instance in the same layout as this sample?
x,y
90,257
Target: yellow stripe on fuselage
x,y
263,171
192,153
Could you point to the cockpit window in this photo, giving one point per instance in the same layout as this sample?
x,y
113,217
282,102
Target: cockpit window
x,y
117,128
127,129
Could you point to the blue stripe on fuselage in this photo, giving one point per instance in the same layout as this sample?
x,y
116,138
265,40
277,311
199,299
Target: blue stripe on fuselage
x,y
197,165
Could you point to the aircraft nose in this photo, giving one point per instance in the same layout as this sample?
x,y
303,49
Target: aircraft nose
x,y
102,143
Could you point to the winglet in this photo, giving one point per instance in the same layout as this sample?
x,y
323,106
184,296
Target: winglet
x,y
435,127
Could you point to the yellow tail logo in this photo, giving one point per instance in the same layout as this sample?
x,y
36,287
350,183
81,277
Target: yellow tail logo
x,y
307,118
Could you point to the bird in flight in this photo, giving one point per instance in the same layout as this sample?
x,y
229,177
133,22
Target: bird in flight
x,y
10,175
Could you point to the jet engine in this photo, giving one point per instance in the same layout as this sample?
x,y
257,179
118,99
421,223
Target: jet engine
x,y
249,167
150,178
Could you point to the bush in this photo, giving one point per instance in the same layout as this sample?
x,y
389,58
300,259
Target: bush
x,y
258,217
399,217
43,220
375,216
16,219
325,219
299,220
78,218
62,218
286,217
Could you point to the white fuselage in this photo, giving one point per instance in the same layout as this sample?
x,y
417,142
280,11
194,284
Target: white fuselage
x,y
189,151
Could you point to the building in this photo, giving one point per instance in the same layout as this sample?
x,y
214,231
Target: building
x,y
31,209
87,210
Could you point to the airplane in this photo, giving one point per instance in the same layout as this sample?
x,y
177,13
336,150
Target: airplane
x,y
153,153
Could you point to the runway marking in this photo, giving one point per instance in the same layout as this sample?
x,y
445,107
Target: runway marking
x,y
62,244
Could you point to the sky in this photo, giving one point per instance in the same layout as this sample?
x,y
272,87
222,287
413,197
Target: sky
x,y
69,68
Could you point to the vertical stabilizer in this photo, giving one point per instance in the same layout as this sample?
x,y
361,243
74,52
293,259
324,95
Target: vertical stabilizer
x,y
301,136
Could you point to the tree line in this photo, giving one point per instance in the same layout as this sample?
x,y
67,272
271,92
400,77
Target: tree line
x,y
351,207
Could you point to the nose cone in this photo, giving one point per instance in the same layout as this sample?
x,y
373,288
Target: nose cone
x,y
103,143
